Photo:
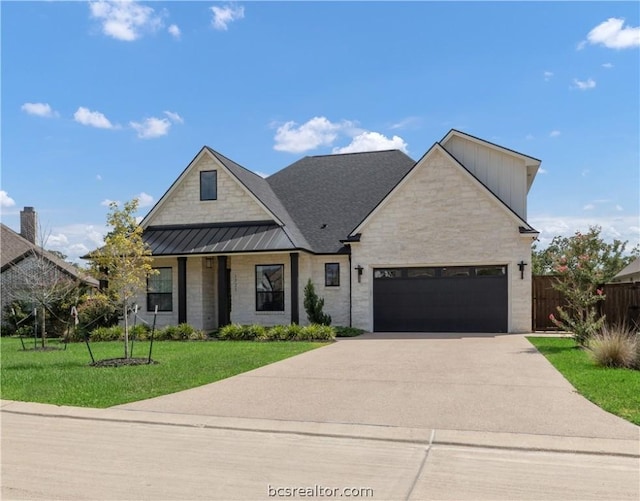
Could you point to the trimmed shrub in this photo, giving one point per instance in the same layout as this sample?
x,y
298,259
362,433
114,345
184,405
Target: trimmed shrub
x,y
113,333
316,332
348,331
180,332
615,346
140,332
313,305
234,332
279,333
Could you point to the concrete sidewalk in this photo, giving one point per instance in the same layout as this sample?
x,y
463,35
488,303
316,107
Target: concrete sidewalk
x,y
395,417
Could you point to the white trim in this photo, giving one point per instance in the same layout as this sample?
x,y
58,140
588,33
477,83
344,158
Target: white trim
x,y
529,161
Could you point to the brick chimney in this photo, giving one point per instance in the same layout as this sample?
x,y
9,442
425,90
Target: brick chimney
x,y
29,224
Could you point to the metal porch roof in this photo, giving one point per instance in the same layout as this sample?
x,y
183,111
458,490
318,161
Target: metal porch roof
x,y
221,238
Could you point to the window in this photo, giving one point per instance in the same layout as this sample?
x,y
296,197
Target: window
x,y
456,271
160,290
388,273
491,271
270,287
208,185
422,272
332,274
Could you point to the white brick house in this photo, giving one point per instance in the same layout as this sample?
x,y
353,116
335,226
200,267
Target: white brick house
x,y
391,244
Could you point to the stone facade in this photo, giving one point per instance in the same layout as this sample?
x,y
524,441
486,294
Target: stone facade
x,y
441,216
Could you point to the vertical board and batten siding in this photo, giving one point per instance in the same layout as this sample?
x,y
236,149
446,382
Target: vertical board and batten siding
x,y
442,217
183,205
504,174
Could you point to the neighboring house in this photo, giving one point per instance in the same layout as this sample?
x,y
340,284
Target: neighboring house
x,y
628,274
22,258
391,244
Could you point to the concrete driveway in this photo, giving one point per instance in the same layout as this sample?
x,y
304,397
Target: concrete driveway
x,y
386,417
448,382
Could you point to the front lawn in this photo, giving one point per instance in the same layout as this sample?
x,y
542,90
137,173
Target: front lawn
x,y
65,377
615,390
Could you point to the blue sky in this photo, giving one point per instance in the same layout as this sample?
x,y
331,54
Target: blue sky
x,y
107,101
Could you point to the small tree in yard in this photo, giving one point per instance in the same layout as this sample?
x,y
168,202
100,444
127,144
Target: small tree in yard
x,y
124,261
583,262
313,305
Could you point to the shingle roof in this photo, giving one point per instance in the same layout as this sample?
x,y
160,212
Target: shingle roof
x,y
329,195
14,248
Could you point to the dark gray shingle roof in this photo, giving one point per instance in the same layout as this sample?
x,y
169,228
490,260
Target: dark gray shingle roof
x,y
329,195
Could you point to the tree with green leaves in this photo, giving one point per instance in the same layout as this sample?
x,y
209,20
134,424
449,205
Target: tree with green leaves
x,y
124,261
582,263
313,305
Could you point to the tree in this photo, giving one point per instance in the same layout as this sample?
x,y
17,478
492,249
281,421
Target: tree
x,y
124,261
582,263
313,305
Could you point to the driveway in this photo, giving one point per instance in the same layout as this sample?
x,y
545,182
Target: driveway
x,y
393,417
446,381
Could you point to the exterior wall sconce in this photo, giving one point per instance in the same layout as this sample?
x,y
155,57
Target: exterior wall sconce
x,y
359,269
521,266
208,262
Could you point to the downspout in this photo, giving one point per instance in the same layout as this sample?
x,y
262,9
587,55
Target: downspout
x,y
350,291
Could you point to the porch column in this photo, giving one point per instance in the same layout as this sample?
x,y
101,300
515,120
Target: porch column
x,y
223,291
295,314
182,290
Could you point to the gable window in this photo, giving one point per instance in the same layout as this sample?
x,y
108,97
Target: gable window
x,y
208,185
160,290
270,287
332,274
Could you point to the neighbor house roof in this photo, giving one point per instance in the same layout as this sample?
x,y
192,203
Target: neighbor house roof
x,y
629,272
15,248
329,195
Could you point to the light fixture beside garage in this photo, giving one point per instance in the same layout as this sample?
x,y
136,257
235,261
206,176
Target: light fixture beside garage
x,y
359,269
521,266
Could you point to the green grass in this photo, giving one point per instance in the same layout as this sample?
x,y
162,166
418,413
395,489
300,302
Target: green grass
x,y
65,377
615,390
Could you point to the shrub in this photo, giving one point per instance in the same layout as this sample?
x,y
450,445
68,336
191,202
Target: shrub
x,y
234,332
316,332
113,333
140,332
313,306
615,346
279,333
181,332
348,331
97,311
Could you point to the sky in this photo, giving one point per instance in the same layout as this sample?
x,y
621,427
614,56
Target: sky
x,y
106,101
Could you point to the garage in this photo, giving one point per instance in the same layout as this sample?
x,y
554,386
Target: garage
x,y
440,299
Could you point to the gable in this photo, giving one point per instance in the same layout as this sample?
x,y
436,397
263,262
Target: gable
x,y
436,183
182,205
503,172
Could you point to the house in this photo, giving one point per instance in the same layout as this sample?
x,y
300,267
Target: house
x,y
391,244
628,274
23,260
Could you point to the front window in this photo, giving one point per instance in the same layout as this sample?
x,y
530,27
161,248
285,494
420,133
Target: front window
x,y
160,290
332,274
270,287
208,185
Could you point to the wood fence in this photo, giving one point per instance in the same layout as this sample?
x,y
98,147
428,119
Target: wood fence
x,y
621,303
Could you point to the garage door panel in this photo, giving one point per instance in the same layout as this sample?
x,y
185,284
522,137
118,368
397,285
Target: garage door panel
x,y
441,304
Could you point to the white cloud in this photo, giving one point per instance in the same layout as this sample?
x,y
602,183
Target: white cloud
x,y
144,200
542,170
6,200
409,122
125,20
548,75
262,174
98,177
589,207
107,202
174,31
76,240
174,117
621,227
222,16
319,131
85,116
619,208
529,137
584,84
39,109
152,127
614,35
607,65
554,133
373,141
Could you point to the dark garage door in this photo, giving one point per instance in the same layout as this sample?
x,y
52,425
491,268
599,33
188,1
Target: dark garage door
x,y
442,299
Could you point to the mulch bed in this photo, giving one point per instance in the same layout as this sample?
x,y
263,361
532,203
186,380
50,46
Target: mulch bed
x,y
121,362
